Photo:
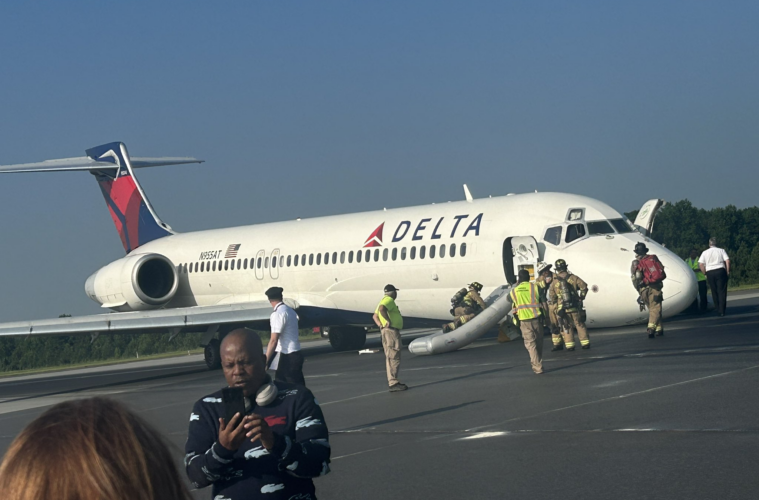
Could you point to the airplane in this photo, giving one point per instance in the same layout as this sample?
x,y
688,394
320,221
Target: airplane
x,y
333,269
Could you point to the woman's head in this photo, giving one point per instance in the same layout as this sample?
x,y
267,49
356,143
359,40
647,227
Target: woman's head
x,y
89,449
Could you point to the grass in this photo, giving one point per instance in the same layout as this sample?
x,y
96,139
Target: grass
x,y
752,286
115,361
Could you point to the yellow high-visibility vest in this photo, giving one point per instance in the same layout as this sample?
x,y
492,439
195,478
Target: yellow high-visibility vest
x,y
693,263
526,301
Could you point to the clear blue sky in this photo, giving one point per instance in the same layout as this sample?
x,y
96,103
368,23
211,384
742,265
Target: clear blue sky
x,y
304,108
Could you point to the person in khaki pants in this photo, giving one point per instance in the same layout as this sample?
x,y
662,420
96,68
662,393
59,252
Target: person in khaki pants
x,y
389,319
525,298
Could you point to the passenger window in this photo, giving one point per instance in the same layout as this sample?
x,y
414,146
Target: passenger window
x,y
318,259
202,267
303,260
422,251
395,253
462,250
599,227
575,231
358,255
259,263
453,250
245,264
326,258
432,251
442,250
334,257
274,262
214,265
412,253
239,264
342,257
295,261
196,267
376,255
385,252
553,235
350,257
311,259
403,253
367,256
289,261
190,267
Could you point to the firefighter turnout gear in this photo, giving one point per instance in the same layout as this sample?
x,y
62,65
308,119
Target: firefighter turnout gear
x,y
569,291
525,299
465,308
548,304
647,276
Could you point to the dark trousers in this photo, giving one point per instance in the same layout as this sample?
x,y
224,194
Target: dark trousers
x,y
290,368
702,295
718,283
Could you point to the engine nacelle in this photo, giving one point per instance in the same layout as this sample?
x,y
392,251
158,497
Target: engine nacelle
x,y
134,283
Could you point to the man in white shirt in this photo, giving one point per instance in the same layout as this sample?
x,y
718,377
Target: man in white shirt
x,y
284,340
715,263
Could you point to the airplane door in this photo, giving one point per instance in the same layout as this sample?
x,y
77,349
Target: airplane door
x,y
260,265
644,222
520,252
274,267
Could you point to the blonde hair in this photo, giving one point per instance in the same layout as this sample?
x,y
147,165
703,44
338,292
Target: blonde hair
x,y
90,449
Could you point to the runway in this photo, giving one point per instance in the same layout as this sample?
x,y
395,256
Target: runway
x,y
673,417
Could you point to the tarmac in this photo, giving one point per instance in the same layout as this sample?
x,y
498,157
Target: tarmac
x,y
673,417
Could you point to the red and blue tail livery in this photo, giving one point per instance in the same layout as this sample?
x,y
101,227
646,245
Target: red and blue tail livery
x,y
134,217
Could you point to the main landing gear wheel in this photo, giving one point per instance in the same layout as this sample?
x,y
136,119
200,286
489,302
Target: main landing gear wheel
x,y
212,354
347,338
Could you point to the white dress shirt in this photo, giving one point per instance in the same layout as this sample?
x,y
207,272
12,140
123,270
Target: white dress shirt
x,y
284,320
713,258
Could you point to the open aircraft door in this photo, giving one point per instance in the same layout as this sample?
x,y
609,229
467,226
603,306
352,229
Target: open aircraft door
x,y
260,264
644,222
520,252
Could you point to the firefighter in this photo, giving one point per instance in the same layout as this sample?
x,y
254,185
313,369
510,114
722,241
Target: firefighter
x,y
525,298
548,303
569,291
647,277
465,305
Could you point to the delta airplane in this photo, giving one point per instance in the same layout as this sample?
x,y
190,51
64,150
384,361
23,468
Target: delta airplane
x,y
333,269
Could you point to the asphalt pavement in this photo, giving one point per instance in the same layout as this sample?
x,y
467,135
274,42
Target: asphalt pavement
x,y
674,417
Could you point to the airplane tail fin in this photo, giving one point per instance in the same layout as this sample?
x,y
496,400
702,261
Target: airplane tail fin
x,y
134,216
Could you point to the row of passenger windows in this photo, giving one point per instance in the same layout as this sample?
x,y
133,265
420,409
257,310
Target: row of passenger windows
x,y
368,255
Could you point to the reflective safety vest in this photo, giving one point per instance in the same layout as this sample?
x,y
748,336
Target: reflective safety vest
x,y
693,263
526,301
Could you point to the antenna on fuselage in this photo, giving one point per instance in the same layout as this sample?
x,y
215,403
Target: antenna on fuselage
x,y
467,194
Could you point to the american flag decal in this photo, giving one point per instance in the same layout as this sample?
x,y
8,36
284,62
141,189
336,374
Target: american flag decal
x,y
232,251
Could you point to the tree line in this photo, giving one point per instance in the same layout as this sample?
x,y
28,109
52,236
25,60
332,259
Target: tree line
x,y
681,227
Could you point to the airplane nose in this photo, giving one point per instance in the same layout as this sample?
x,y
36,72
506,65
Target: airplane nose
x,y
680,287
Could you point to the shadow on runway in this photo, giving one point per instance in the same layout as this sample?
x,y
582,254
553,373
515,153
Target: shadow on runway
x,y
371,425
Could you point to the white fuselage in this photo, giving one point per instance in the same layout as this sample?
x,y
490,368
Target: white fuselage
x,y
426,283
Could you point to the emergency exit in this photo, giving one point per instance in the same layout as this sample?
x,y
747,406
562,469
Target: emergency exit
x,y
520,252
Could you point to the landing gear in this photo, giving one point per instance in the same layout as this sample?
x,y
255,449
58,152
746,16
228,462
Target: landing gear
x,y
212,354
347,338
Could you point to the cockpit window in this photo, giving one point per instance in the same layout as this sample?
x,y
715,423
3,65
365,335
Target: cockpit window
x,y
621,226
599,227
575,214
553,235
574,231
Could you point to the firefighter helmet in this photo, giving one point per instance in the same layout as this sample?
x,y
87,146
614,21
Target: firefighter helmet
x,y
560,265
543,267
477,286
640,248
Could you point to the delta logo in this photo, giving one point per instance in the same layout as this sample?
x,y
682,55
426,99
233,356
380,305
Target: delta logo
x,y
424,229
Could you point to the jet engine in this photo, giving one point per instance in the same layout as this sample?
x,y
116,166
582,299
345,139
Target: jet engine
x,y
134,283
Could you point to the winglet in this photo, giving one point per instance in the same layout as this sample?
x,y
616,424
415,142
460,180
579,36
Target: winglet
x,y
467,194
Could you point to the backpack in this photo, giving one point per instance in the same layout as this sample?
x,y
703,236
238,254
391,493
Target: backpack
x,y
458,297
568,294
652,269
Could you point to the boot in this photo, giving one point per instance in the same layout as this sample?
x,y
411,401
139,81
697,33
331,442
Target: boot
x,y
660,333
650,332
558,347
447,328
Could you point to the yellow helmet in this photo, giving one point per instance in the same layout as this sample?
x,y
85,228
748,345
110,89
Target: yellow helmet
x,y
477,286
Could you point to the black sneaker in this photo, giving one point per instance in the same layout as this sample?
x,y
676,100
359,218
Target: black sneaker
x,y
557,347
398,387
586,346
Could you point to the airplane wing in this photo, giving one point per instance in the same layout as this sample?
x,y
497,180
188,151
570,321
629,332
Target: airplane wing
x,y
196,318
